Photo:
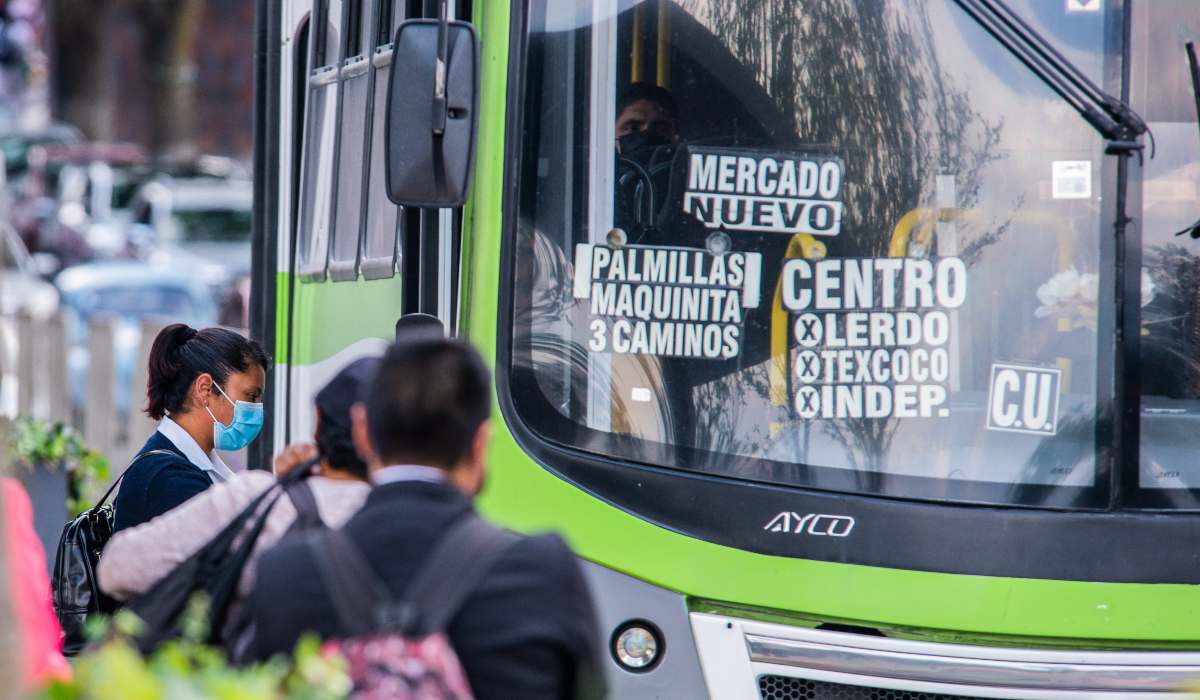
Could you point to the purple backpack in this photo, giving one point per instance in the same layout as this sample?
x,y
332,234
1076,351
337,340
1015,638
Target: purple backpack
x,y
398,648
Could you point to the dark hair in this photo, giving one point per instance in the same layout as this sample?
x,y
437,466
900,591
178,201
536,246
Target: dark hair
x,y
428,399
335,441
336,447
181,353
646,91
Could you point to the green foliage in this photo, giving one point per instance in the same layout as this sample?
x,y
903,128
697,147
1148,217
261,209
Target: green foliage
x,y
188,669
57,446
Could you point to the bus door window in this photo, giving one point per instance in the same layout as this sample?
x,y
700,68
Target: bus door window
x,y
1170,339
354,80
380,243
320,131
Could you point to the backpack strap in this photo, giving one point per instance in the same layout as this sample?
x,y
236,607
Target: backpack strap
x,y
100,503
354,587
308,516
451,571
459,560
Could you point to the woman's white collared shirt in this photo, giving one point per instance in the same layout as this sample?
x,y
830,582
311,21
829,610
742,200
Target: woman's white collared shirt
x,y
211,463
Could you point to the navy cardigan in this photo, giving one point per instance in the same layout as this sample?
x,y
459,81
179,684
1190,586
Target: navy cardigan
x,y
156,484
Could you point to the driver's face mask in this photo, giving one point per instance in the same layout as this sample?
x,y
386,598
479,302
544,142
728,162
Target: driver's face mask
x,y
639,144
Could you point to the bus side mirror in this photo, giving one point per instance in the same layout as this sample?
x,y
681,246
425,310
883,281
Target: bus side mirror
x,y
431,123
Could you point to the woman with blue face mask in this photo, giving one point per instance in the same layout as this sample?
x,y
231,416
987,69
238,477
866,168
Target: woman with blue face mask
x,y
205,389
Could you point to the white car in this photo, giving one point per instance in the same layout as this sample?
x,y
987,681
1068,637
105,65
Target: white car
x,y
198,224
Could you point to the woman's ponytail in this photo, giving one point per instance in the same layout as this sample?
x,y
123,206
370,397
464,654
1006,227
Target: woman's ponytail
x,y
181,353
166,364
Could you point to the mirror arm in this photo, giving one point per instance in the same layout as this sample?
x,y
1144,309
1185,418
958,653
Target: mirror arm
x,y
439,79
1194,69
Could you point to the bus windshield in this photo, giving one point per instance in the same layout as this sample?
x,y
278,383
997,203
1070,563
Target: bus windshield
x,y
832,244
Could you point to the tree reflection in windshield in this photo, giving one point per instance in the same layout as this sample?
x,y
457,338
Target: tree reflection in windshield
x,y
866,79
942,145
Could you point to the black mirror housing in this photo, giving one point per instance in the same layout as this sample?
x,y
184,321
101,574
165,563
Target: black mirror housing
x,y
426,168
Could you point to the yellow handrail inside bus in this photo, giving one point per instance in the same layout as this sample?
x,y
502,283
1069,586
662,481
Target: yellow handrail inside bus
x,y
635,60
927,218
902,231
663,53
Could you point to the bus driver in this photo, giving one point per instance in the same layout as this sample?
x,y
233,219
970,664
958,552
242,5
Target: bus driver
x,y
646,137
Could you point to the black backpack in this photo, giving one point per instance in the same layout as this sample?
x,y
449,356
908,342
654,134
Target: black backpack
x,y
74,585
216,568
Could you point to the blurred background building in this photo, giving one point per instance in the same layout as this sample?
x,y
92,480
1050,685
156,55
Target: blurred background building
x,y
173,76
125,198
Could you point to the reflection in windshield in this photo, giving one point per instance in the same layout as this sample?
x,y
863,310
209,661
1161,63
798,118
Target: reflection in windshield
x,y
1170,340
855,247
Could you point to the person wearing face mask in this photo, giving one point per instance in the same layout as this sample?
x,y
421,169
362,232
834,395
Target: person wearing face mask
x,y
205,389
647,134
647,117
135,560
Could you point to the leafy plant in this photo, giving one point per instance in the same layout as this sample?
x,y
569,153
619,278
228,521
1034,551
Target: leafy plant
x,y
190,670
58,446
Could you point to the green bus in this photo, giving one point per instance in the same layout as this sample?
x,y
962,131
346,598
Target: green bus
x,y
850,343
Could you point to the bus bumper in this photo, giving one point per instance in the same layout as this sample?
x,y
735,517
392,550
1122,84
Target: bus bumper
x,y
748,659
730,658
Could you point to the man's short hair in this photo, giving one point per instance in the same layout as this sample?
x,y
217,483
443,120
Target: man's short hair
x,y
647,91
428,399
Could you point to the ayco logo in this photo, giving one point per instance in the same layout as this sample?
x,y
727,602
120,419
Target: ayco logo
x,y
811,524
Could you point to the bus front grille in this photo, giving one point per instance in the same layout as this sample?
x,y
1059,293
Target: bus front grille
x,y
772,687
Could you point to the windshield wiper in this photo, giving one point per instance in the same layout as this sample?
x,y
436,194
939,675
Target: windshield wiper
x,y
1194,66
1111,117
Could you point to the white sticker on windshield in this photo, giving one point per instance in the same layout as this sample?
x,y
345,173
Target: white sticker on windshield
x,y
671,302
1071,179
1084,5
872,335
752,190
1024,399
641,394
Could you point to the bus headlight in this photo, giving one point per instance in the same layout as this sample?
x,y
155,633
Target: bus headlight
x,y
636,646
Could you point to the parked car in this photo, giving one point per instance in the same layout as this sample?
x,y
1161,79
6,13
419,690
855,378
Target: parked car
x,y
73,200
16,144
201,224
130,292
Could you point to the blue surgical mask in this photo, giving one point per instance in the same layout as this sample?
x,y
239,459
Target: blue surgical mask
x,y
241,431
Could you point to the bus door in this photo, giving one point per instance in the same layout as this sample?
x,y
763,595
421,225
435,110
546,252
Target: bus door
x,y
357,261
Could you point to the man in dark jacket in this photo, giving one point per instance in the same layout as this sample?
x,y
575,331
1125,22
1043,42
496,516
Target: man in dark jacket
x,y
528,630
